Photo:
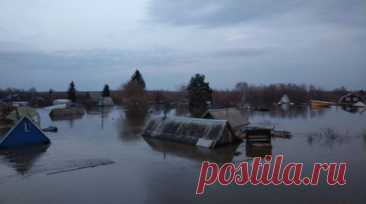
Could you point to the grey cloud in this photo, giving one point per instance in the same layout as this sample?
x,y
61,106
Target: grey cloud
x,y
259,41
85,59
229,12
240,52
104,58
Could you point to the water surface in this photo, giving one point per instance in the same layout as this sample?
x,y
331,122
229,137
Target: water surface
x,y
151,171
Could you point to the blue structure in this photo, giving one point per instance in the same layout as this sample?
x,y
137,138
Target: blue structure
x,y
24,133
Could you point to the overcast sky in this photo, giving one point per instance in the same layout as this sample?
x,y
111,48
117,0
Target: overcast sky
x,y
46,44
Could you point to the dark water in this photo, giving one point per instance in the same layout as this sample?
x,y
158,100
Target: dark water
x,y
100,158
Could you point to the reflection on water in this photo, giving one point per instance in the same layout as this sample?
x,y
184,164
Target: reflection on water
x,y
291,112
258,150
22,160
328,137
102,111
165,172
199,154
307,120
131,124
353,109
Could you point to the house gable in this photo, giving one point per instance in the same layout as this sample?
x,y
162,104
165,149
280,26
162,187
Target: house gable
x,y
24,133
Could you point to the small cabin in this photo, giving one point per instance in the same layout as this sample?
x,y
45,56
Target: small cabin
x,y
207,133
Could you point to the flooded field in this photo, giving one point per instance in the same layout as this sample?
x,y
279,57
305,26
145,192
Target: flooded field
x,y
100,158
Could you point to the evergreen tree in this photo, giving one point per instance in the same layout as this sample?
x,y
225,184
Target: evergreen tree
x,y
106,92
71,93
199,94
135,88
138,79
50,96
135,94
50,93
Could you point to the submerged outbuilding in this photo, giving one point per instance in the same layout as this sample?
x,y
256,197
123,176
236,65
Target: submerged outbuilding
x,y
24,111
353,99
24,133
284,100
236,118
208,133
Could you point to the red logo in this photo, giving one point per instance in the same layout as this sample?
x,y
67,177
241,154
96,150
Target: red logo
x,y
290,174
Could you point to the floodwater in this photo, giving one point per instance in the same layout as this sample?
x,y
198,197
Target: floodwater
x,y
100,158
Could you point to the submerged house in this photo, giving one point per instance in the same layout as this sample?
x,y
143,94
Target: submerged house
x,y
235,118
98,100
354,99
105,101
284,100
195,131
21,112
72,112
24,133
61,101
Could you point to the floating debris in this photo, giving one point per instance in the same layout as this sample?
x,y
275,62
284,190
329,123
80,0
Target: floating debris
x,y
79,165
281,134
23,162
50,129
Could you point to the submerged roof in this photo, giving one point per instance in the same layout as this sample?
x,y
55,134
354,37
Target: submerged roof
x,y
186,130
284,99
61,101
232,115
105,101
359,104
24,133
359,94
24,111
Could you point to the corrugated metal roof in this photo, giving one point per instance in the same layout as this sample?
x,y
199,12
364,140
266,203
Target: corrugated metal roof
x,y
187,130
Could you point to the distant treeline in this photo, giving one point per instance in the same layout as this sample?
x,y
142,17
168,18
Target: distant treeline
x,y
243,93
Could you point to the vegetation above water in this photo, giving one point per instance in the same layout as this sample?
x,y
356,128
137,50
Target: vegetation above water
x,y
199,95
197,92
